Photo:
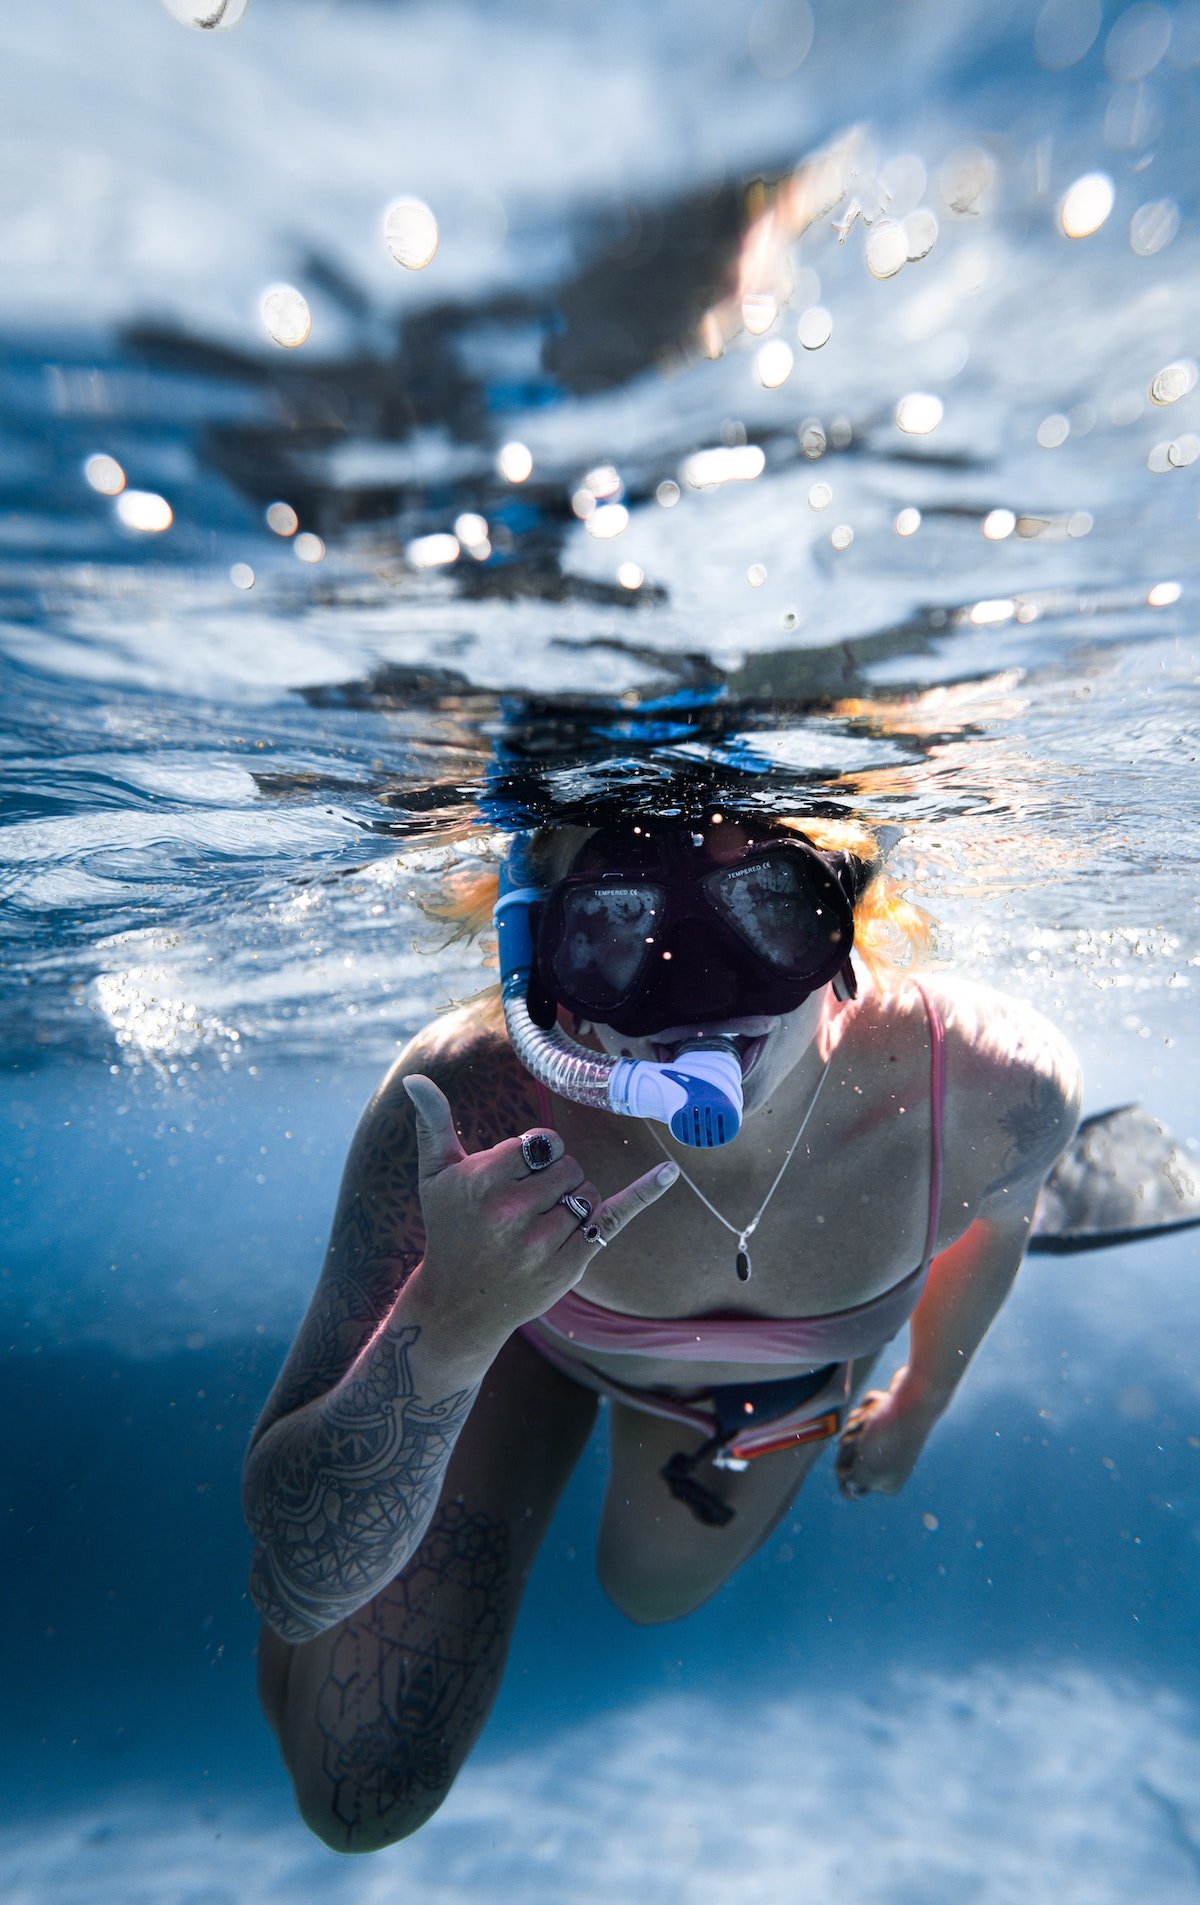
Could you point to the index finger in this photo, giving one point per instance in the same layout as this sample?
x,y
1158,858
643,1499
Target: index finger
x,y
612,1216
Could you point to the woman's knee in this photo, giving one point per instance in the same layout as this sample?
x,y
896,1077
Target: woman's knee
x,y
649,1590
372,1809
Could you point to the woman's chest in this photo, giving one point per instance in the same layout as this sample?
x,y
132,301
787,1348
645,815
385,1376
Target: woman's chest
x,y
829,1228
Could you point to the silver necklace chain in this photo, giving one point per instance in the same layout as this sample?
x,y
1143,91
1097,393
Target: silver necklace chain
x,y
742,1263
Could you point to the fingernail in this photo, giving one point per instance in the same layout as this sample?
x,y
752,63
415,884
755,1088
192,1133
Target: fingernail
x,y
406,1082
667,1175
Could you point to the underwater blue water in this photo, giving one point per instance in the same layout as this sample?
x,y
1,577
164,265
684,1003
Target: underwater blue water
x,y
222,805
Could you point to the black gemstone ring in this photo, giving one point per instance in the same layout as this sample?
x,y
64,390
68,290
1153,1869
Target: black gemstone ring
x,y
591,1235
578,1206
537,1150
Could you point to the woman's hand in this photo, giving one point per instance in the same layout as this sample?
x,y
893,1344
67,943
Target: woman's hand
x,y
500,1247
881,1441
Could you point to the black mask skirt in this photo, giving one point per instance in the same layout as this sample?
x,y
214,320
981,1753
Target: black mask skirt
x,y
662,926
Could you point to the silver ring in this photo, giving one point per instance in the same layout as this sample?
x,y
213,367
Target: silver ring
x,y
591,1235
578,1206
537,1150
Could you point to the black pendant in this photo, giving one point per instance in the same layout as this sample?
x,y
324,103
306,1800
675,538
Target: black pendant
x,y
741,1264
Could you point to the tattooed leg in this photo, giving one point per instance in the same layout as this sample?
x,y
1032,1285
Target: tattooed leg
x,y
411,1682
376,1716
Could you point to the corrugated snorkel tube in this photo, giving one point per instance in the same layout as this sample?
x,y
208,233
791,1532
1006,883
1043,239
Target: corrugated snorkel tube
x,y
698,1095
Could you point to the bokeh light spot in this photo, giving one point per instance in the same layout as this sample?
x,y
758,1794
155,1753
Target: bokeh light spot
x,y
780,35
282,519
1173,382
471,529
820,496
105,475
773,364
207,16
242,575
990,613
759,312
514,462
433,552
815,327
308,548
609,520
756,575
144,511
842,536
1086,204
732,463
286,316
920,234
630,576
410,232
908,522
1136,42
1163,594
1153,226
918,413
1053,431
887,248
1065,31
999,523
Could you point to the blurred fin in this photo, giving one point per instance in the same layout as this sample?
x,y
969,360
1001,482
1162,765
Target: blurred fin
x,y
1123,1176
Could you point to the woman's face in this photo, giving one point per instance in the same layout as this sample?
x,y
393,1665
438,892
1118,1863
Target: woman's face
x,y
768,1045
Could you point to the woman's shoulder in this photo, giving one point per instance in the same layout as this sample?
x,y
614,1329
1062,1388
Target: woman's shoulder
x,y
467,1054
1013,1083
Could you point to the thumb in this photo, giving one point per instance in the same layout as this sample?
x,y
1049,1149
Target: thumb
x,y
437,1140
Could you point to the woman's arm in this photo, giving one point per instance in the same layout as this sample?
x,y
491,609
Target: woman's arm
x,y
364,1405
345,1470
964,1293
1017,1132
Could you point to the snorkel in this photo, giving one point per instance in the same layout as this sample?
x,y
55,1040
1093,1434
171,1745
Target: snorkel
x,y
698,1095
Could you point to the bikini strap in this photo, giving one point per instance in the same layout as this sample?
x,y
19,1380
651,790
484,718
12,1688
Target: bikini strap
x,y
937,1106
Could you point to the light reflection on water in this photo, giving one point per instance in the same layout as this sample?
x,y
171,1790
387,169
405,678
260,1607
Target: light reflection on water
x,y
884,469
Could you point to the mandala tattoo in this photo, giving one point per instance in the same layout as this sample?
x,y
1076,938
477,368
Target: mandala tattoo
x,y
352,1489
412,1678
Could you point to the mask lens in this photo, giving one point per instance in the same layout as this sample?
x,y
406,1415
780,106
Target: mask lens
x,y
602,942
779,910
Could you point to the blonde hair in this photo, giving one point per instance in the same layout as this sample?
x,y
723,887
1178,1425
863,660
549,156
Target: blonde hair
x,y
891,933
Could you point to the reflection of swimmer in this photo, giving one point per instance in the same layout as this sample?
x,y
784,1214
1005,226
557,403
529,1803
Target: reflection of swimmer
x,y
445,1378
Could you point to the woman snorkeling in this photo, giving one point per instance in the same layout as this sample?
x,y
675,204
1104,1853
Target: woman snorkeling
x,y
715,1156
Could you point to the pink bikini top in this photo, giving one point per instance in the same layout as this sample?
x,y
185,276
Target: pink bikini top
x,y
792,1341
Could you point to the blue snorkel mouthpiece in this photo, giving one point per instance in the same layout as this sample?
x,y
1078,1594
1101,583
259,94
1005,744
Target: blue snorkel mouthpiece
x,y
698,1095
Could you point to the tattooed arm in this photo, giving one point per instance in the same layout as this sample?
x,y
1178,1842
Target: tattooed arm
x,y
347,1459
437,1256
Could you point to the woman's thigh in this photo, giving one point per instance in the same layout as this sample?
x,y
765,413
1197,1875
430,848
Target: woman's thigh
x,y
375,1717
657,1561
